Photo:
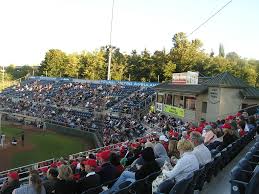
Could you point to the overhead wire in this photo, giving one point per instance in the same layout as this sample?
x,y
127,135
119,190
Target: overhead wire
x,y
207,20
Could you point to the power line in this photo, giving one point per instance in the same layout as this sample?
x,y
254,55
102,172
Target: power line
x,y
210,18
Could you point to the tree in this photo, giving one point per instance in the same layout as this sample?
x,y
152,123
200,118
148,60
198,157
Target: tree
x,y
118,65
73,65
168,70
159,61
18,72
94,65
233,56
186,54
221,50
133,66
54,63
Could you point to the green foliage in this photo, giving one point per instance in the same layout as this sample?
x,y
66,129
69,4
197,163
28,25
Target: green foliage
x,y
54,63
185,55
168,70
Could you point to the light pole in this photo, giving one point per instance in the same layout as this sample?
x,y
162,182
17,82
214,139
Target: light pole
x,y
110,47
3,75
0,123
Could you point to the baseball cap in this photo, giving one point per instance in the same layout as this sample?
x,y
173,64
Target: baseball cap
x,y
13,175
91,162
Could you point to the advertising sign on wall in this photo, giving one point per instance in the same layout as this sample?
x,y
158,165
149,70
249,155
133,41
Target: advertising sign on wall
x,y
185,78
174,110
214,95
159,107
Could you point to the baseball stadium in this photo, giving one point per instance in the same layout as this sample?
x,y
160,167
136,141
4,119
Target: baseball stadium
x,y
113,120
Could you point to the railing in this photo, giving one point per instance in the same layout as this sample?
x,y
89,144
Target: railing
x,y
24,170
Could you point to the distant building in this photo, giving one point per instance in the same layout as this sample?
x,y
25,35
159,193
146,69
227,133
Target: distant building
x,y
210,98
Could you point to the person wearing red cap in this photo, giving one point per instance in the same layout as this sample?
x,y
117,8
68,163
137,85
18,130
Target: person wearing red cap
x,y
107,171
11,183
91,179
229,136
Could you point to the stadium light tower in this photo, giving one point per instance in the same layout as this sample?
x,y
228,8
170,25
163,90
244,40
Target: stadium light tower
x,y
3,74
110,47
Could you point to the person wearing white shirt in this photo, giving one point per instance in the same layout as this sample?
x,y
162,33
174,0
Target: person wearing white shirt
x,y
201,152
186,165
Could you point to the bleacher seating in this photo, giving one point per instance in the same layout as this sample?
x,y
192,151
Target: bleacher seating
x,y
244,176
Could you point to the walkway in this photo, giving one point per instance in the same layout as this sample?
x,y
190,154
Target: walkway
x,y
220,184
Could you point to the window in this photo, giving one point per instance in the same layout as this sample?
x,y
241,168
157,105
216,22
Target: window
x,y
178,101
169,99
189,103
160,98
204,107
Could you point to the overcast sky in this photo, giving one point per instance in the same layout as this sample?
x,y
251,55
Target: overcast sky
x,y
29,28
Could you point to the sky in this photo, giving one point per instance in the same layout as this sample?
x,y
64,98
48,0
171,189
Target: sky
x,y
29,28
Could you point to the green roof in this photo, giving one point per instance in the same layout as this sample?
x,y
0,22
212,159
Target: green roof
x,y
225,80
250,93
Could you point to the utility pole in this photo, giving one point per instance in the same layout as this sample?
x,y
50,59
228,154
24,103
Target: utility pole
x,y
0,124
158,78
110,46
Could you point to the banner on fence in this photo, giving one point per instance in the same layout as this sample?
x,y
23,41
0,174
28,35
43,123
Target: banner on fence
x,y
174,110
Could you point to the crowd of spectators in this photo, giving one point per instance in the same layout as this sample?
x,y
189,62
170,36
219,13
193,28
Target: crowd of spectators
x,y
135,102
74,104
70,94
176,153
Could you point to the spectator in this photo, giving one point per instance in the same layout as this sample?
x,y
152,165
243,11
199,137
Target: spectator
x,y
107,171
173,152
49,184
164,141
44,171
234,128
82,171
65,183
161,154
229,136
201,152
241,128
149,144
115,161
150,165
209,136
35,186
11,183
91,179
187,164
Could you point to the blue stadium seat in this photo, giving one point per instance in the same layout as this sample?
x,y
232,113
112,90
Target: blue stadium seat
x,y
181,186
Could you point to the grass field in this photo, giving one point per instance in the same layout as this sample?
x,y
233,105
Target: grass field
x,y
41,145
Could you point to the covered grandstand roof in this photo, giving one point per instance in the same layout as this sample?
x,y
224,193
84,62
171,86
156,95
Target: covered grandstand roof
x,y
250,93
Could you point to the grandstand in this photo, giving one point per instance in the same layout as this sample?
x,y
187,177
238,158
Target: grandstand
x,y
117,114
